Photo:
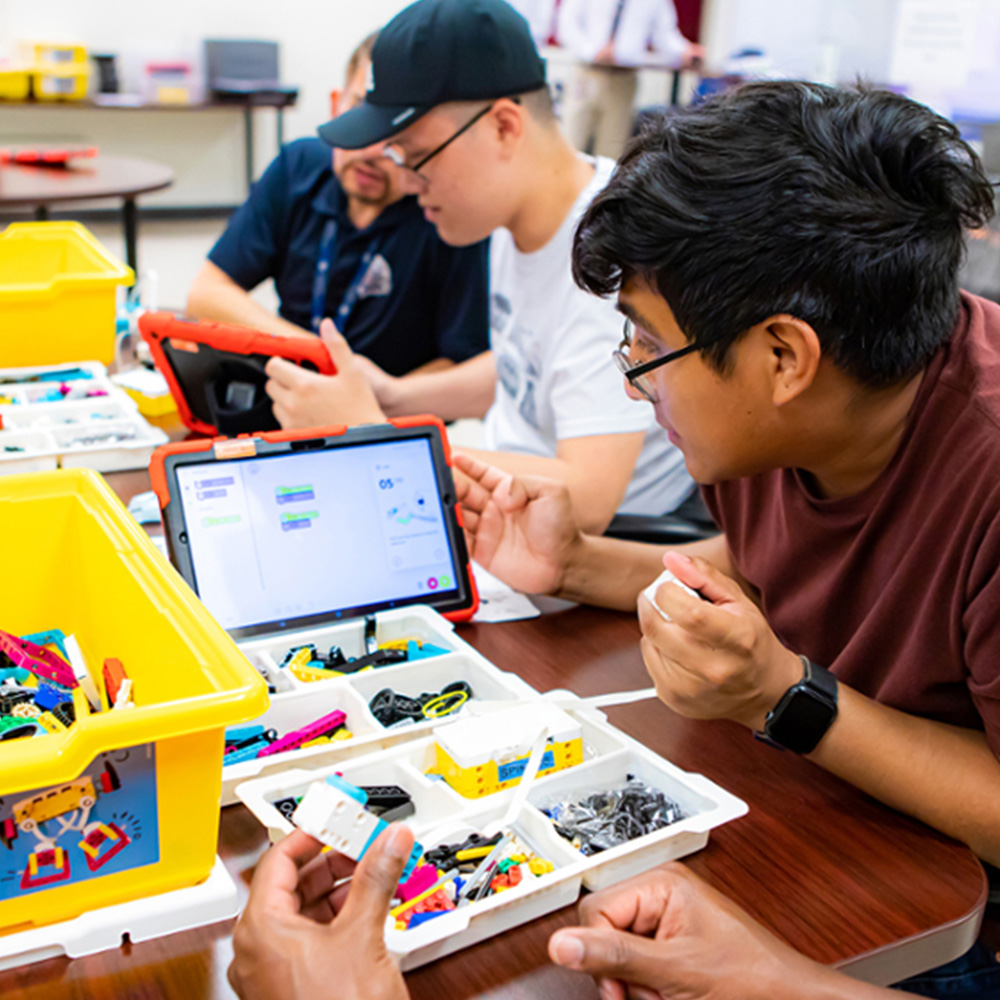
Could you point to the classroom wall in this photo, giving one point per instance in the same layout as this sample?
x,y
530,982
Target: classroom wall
x,y
205,148
943,52
828,40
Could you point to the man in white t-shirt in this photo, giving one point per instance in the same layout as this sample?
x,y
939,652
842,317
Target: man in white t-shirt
x,y
550,343
459,90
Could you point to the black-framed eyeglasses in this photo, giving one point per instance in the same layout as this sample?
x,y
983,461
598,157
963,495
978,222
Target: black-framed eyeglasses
x,y
395,154
638,375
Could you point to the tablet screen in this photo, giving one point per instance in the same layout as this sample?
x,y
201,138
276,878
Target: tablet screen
x,y
288,536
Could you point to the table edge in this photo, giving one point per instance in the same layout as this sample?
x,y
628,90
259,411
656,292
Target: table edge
x,y
893,962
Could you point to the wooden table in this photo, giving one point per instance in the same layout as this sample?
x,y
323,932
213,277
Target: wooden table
x,y
840,877
83,180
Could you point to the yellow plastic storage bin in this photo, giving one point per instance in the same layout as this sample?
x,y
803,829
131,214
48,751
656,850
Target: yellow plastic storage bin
x,y
58,52
60,83
125,803
15,84
57,295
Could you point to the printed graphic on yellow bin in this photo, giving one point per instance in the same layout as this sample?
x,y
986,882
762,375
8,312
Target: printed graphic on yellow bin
x,y
104,821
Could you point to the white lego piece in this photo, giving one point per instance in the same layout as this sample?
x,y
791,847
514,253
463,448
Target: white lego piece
x,y
337,820
124,699
666,577
83,677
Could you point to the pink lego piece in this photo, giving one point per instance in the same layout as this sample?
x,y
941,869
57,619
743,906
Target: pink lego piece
x,y
423,877
41,662
295,739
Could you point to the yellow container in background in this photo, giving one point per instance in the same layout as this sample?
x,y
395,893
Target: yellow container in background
x,y
57,52
57,295
136,789
15,84
59,70
152,406
60,83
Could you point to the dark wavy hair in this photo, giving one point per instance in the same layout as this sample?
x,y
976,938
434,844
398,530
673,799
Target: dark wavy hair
x,y
845,209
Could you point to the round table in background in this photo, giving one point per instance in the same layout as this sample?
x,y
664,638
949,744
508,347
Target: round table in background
x,y
83,180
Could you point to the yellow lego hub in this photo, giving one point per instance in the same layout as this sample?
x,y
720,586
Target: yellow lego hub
x,y
480,755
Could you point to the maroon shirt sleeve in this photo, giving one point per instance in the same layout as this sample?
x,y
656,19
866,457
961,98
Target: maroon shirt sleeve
x,y
981,623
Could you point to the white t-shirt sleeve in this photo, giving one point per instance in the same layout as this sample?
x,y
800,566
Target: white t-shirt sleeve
x,y
587,389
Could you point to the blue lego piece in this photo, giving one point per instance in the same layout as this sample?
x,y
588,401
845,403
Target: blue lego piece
x,y
237,734
348,789
424,652
62,375
49,695
421,918
18,674
411,862
244,753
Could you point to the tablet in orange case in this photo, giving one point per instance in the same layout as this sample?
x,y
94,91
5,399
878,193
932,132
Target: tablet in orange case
x,y
216,370
289,529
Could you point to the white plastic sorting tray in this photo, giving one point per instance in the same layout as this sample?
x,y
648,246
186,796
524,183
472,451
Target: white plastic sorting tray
x,y
76,430
444,816
296,703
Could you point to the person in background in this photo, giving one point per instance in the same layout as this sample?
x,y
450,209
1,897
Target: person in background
x,y
305,934
341,240
541,18
611,40
459,94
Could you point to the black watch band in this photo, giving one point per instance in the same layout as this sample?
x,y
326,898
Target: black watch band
x,y
805,712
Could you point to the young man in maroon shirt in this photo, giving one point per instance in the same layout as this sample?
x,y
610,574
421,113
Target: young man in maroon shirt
x,y
786,259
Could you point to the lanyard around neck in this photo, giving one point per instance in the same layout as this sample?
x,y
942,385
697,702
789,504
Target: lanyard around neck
x,y
321,279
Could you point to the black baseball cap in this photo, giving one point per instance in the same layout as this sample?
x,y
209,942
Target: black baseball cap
x,y
433,52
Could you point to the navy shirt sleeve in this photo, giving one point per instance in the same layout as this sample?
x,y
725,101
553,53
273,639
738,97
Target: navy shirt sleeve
x,y
461,309
251,248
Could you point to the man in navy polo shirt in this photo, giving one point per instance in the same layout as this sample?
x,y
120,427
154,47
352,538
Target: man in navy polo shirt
x,y
340,240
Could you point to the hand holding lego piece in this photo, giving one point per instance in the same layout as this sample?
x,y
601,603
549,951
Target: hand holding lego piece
x,y
303,936
712,655
334,812
665,577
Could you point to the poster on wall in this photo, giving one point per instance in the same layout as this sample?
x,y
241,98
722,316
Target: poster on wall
x,y
947,53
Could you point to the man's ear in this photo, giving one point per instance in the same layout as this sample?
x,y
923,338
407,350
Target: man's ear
x,y
508,122
794,356
335,103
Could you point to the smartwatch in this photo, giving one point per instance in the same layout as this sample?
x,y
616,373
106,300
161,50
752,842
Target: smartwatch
x,y
805,712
